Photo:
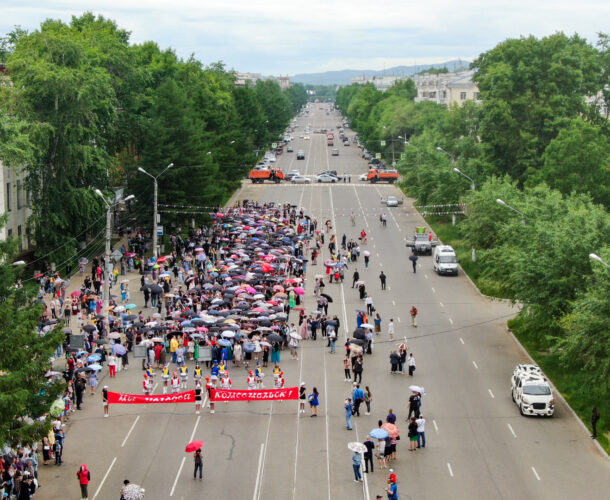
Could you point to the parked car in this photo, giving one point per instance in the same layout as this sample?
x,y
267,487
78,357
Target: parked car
x,y
299,179
326,178
531,391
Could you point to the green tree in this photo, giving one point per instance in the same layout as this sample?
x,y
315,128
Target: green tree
x,y
25,394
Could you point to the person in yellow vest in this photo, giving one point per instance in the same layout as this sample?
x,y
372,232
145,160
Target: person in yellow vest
x,y
197,373
184,376
173,347
222,368
165,377
149,371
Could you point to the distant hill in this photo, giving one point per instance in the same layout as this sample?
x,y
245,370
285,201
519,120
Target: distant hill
x,y
344,77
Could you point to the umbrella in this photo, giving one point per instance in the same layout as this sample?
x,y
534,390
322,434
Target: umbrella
x,y
194,446
358,342
274,337
229,334
249,347
417,388
95,367
94,357
131,306
378,433
156,288
76,293
295,335
359,334
89,328
413,257
356,446
133,492
327,297
224,342
300,291
119,309
57,408
392,430
366,325
114,335
119,349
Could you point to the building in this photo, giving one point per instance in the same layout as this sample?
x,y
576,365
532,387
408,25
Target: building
x,y
381,83
284,82
242,79
14,202
446,88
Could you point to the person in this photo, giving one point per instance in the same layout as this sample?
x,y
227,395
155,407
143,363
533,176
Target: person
x,y
414,262
391,329
394,360
358,399
302,397
165,377
112,362
377,323
421,431
79,388
382,278
391,417
198,464
363,236
184,376
595,416
93,382
414,401
368,454
84,476
126,482
105,400
392,489
314,402
349,409
355,277
357,369
356,463
368,398
347,366
412,434
197,397
369,305
175,383
413,312
411,363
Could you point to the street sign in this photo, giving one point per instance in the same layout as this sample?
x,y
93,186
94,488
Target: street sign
x,y
403,156
139,352
382,143
159,230
378,156
274,145
117,255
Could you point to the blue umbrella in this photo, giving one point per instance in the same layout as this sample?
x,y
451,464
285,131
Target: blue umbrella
x,y
94,357
119,349
249,347
379,433
224,342
94,367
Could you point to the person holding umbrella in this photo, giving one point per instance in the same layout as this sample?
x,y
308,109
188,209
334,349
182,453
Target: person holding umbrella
x,y
356,463
198,459
413,259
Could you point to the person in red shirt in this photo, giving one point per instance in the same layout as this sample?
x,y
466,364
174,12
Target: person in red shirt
x,y
84,476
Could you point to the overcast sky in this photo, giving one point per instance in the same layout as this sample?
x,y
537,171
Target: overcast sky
x,y
304,36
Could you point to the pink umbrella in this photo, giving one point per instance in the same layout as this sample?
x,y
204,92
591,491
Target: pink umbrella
x,y
300,291
250,289
76,293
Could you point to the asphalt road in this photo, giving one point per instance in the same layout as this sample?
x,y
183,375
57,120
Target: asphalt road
x,y
478,446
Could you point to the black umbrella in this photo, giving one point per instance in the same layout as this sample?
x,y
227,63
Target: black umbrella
x,y
131,317
327,297
413,257
89,328
359,333
156,288
274,337
357,341
188,313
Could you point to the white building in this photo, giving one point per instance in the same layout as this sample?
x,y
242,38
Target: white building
x,y
14,202
380,82
241,79
446,88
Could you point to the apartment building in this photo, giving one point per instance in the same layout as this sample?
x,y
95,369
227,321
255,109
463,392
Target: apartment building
x,y
14,203
446,88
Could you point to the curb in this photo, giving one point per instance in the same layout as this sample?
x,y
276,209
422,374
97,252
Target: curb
x,y
559,395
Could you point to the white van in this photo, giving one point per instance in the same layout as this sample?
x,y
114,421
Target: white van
x,y
444,260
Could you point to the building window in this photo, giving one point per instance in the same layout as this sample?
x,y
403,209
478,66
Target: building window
x,y
10,233
477,96
28,197
18,195
462,96
8,196
19,234
28,236
443,94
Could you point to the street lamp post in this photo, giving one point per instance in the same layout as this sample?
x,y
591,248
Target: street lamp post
x,y
503,203
154,227
596,257
472,185
109,207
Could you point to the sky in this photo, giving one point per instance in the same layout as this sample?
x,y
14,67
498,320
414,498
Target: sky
x,y
288,37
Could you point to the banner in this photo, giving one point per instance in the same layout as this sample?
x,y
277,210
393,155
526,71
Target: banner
x,y
262,395
140,399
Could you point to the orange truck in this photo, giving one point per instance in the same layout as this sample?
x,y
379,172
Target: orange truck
x,y
374,175
260,175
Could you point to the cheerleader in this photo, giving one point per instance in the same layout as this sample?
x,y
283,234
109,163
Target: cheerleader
x,y
149,371
197,373
184,376
105,400
251,380
225,381
175,383
197,396
146,385
222,369
165,377
278,380
258,372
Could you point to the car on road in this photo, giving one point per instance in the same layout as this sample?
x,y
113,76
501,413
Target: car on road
x,y
291,174
391,201
363,177
289,149
444,259
329,172
306,137
335,152
346,143
300,155
531,391
299,179
326,178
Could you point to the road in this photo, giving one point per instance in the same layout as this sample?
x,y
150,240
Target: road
x,y
478,446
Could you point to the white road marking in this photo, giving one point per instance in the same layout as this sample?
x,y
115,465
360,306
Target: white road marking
x,y
442,305
398,318
104,478
450,470
377,255
195,428
426,276
510,428
393,303
491,394
435,426
433,290
365,483
389,288
265,453
326,415
536,474
450,321
131,429
296,448
171,493
374,246
475,365
461,340
258,471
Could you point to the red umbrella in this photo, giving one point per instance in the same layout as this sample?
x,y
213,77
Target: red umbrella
x,y
76,293
39,275
194,446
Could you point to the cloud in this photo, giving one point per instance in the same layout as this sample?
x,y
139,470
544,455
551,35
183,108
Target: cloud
x,y
272,36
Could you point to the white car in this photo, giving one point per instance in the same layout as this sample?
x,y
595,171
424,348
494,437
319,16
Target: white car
x,y
299,179
292,173
363,177
392,201
307,137
531,391
326,178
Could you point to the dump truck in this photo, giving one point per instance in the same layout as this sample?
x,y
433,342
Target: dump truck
x,y
375,175
260,175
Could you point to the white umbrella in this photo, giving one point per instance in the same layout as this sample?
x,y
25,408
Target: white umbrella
x,y
366,253
295,335
133,492
114,335
229,334
360,282
119,309
366,325
355,349
356,446
417,388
